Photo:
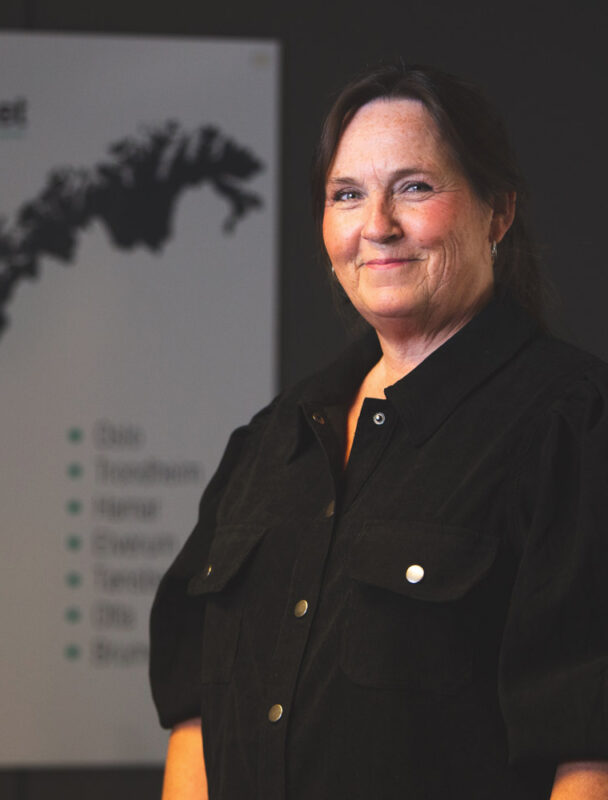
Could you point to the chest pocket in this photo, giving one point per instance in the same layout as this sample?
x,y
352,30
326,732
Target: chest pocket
x,y
222,584
415,595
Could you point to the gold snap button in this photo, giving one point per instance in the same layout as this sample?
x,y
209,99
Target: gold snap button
x,y
301,607
329,511
209,571
414,573
275,713
318,418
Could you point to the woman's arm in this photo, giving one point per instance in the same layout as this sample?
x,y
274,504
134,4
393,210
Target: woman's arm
x,y
185,777
581,780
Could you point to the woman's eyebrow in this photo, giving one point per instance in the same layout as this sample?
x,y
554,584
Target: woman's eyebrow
x,y
404,172
341,180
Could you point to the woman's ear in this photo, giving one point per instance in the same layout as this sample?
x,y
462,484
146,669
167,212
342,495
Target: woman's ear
x,y
503,215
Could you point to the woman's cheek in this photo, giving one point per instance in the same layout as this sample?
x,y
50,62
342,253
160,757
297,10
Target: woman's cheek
x,y
340,237
435,222
331,236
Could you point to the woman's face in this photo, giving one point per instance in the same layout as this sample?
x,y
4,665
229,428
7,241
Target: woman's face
x,y
407,237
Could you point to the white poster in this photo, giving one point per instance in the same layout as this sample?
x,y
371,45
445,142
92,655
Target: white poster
x,y
138,215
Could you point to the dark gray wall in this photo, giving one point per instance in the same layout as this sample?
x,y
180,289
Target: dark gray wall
x,y
546,69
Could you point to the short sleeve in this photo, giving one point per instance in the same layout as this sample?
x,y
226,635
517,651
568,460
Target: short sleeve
x,y
176,621
554,659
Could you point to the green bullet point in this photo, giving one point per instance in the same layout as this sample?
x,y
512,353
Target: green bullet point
x,y
75,470
73,614
71,652
74,542
74,506
73,579
75,435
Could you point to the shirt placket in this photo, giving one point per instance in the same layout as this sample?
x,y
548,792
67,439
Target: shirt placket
x,y
303,596
306,585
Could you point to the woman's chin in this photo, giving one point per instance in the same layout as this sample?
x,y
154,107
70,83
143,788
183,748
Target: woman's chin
x,y
391,304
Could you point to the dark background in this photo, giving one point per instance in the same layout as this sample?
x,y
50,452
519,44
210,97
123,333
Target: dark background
x,y
546,67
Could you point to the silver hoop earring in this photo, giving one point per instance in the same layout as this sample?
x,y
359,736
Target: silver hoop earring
x,y
494,251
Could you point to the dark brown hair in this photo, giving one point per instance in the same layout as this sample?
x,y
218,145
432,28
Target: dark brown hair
x,y
474,132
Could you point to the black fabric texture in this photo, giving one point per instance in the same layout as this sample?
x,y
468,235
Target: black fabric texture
x,y
471,675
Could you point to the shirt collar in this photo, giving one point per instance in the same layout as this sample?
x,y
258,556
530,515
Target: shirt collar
x,y
426,396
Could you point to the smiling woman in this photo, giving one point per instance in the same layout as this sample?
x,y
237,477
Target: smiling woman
x,y
393,587
407,237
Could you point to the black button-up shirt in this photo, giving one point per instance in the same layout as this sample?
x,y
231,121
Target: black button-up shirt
x,y
429,622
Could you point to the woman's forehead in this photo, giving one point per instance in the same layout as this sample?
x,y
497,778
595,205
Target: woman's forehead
x,y
389,130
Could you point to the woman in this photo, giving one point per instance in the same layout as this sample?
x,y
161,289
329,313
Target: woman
x,y
399,571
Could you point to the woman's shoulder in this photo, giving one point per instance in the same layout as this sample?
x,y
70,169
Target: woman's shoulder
x,y
557,373
568,354
567,405
569,374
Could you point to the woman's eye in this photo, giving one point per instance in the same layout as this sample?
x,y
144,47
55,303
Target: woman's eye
x,y
417,186
344,195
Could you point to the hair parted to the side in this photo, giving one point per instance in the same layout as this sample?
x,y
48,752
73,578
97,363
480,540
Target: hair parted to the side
x,y
474,132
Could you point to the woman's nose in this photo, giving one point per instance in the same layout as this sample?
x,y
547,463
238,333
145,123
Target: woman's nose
x,y
380,223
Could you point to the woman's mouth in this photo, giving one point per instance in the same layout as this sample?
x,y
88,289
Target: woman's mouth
x,y
387,263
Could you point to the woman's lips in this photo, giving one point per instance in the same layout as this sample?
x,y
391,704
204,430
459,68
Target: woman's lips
x,y
387,263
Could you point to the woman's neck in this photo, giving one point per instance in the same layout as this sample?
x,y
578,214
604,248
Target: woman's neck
x,y
400,356
407,343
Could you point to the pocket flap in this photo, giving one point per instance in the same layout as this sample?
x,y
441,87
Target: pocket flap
x,y
230,549
426,561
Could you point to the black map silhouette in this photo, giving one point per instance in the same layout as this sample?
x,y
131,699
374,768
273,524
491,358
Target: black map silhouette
x,y
133,194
